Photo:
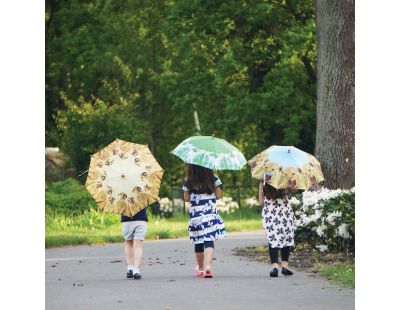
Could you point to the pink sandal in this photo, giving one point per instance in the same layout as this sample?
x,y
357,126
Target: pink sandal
x,y
198,273
208,273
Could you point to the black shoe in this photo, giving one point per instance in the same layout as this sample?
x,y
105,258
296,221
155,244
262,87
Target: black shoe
x,y
274,273
137,276
129,274
286,271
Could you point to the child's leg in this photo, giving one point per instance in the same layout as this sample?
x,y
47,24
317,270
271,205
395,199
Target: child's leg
x,y
208,253
285,256
139,233
199,251
138,253
129,252
273,254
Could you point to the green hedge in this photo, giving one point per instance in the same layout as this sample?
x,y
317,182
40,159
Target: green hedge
x,y
68,197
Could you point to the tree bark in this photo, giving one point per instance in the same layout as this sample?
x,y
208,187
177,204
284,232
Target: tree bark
x,y
334,146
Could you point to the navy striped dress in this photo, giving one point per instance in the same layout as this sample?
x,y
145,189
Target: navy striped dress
x,y
205,223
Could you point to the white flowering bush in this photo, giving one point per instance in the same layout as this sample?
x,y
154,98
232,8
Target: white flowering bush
x,y
251,202
180,204
165,207
325,218
227,205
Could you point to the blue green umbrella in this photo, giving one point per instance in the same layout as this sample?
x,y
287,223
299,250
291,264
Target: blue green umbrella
x,y
210,152
286,167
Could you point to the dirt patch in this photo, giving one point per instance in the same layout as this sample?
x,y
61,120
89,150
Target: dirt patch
x,y
303,257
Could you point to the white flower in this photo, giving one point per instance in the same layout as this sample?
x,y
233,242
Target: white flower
x,y
226,204
178,203
314,217
322,248
304,208
332,217
251,202
316,206
311,198
342,231
165,204
305,220
320,230
294,201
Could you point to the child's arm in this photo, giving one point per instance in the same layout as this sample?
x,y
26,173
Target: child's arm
x,y
186,196
261,194
186,192
218,192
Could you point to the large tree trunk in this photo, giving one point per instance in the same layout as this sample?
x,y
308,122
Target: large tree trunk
x,y
334,145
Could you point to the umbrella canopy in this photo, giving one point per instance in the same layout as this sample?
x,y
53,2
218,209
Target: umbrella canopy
x,y
210,152
286,167
124,177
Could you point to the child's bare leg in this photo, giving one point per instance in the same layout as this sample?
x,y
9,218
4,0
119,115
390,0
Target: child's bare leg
x,y
200,260
208,253
208,257
138,253
129,252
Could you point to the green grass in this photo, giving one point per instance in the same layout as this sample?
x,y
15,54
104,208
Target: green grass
x,y
72,218
339,273
94,226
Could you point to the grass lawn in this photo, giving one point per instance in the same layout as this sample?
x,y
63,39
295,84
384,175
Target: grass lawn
x,y
341,273
72,218
97,227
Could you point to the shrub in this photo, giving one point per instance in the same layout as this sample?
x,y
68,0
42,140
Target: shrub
x,y
226,205
165,207
326,218
68,197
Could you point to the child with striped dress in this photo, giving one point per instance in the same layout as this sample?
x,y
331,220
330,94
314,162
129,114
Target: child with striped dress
x,y
201,188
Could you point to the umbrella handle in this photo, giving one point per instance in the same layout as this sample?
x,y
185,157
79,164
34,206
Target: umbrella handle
x,y
83,173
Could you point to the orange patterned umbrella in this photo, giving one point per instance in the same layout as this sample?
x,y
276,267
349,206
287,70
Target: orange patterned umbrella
x,y
124,177
286,167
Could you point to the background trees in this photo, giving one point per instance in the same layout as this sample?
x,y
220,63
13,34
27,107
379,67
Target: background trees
x,y
135,69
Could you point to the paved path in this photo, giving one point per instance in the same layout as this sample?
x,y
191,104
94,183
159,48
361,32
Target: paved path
x,y
93,277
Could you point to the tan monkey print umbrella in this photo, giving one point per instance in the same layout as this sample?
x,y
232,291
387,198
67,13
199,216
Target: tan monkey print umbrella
x,y
124,177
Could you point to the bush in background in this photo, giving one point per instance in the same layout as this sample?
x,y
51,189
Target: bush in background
x,y
68,197
326,218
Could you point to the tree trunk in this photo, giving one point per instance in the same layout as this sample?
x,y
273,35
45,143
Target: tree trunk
x,y
334,146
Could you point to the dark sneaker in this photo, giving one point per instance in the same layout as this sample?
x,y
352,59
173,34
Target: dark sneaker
x,y
286,272
137,276
274,273
129,274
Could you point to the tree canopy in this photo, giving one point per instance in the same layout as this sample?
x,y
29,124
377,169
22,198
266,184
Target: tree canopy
x,y
135,70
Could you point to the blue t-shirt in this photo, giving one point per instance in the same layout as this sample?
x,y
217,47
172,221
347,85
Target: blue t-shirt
x,y
140,216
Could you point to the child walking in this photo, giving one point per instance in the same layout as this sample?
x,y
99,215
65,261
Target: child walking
x,y
201,188
134,231
279,224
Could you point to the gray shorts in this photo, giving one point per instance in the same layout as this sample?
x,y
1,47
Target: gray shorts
x,y
134,230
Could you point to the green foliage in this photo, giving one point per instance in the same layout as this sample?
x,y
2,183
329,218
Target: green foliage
x,y
136,69
342,274
68,197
